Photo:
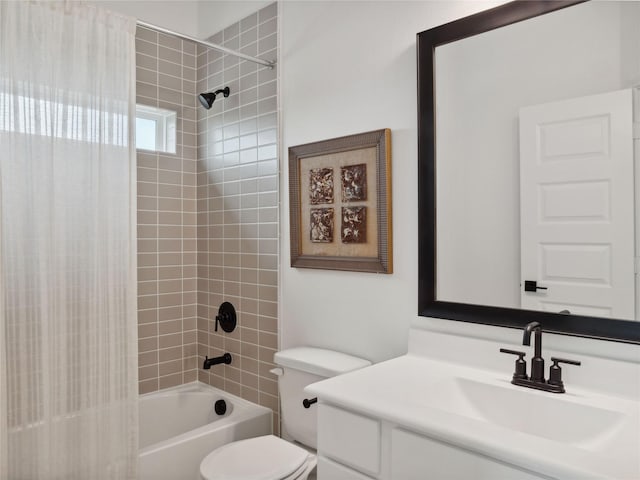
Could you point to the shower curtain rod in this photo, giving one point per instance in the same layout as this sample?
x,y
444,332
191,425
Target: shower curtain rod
x,y
220,48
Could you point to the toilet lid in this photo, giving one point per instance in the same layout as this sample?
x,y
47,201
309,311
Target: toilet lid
x,y
260,458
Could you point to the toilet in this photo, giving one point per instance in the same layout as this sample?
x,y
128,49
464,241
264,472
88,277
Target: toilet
x,y
293,456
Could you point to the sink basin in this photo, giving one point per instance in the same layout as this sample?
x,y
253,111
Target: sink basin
x,y
552,416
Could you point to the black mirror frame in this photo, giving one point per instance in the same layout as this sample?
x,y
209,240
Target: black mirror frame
x,y
428,305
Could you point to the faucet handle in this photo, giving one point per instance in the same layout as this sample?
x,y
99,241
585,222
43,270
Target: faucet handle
x,y
512,352
557,360
555,372
521,366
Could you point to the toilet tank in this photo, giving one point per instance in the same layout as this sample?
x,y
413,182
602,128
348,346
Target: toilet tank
x,y
302,366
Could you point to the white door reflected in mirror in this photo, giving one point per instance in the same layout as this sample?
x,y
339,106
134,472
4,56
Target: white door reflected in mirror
x,y
576,202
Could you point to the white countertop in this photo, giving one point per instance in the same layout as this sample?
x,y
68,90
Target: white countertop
x,y
398,391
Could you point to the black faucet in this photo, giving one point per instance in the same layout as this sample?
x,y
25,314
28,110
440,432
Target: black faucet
x,y
537,362
537,381
209,362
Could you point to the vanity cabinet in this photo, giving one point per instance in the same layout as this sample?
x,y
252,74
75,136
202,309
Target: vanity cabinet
x,y
423,418
349,438
329,469
353,446
415,457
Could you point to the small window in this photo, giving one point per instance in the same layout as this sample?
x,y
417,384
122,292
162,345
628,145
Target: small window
x,y
155,129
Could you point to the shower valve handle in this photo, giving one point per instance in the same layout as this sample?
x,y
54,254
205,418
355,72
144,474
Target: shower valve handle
x,y
226,317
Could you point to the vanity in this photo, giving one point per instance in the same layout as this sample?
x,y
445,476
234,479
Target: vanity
x,y
443,414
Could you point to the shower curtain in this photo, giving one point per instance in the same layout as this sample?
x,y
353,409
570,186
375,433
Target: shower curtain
x,y
68,365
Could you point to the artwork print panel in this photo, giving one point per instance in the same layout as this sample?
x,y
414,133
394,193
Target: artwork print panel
x,y
320,186
354,225
320,236
354,182
321,225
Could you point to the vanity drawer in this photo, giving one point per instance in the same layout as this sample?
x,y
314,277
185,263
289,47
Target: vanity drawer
x,y
328,470
414,457
349,438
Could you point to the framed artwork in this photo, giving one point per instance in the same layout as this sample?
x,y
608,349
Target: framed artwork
x,y
340,203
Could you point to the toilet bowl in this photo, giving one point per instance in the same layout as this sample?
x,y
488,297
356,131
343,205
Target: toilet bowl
x,y
270,457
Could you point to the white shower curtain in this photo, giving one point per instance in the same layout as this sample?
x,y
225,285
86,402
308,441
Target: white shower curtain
x,y
68,364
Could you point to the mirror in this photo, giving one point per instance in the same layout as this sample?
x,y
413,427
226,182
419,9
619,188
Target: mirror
x,y
527,208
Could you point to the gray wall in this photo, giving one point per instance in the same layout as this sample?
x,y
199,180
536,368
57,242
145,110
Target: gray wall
x,y
237,191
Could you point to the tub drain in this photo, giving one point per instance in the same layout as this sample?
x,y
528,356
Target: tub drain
x,y
220,407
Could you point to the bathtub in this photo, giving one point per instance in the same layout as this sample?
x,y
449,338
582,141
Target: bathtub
x,y
179,427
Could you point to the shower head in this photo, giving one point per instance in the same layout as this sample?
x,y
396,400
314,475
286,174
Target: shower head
x,y
207,99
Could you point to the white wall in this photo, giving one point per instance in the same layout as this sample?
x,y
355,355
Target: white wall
x,y
215,15
180,16
350,67
197,18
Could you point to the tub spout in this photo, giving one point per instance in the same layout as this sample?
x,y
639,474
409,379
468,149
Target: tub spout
x,y
208,362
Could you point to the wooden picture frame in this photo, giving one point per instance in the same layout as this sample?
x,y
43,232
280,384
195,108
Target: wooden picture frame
x,y
340,203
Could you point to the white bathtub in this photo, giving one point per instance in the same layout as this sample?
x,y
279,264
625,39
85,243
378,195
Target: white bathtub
x,y
179,427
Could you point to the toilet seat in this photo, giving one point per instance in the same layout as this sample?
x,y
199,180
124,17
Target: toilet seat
x,y
260,458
